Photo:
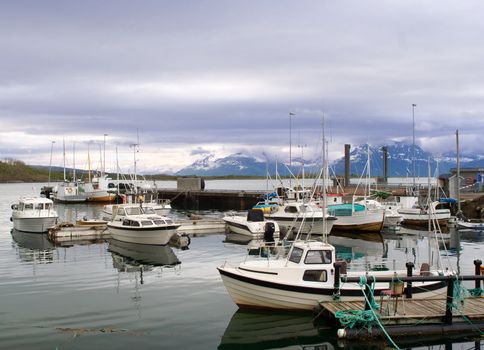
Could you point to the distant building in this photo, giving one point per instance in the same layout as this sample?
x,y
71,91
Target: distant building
x,y
470,180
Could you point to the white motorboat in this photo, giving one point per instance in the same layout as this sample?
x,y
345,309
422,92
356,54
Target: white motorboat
x,y
471,225
357,217
135,224
303,278
254,226
34,214
302,217
98,189
69,192
420,216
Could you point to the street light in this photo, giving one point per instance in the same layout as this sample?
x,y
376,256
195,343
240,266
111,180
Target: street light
x,y
104,155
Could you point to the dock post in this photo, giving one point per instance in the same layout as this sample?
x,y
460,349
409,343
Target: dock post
x,y
477,264
368,295
449,301
337,280
409,266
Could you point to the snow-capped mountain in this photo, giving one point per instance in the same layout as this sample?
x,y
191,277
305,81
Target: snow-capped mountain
x,y
400,163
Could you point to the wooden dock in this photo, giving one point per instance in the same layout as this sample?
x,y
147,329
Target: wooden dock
x,y
412,311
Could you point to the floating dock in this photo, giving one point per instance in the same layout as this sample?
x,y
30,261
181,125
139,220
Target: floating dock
x,y
67,232
407,317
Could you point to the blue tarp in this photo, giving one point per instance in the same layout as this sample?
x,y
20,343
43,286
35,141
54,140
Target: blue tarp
x,y
448,200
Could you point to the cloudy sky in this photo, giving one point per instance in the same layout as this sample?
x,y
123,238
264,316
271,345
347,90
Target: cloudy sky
x,y
188,78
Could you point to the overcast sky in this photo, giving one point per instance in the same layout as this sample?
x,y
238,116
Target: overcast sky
x,y
198,77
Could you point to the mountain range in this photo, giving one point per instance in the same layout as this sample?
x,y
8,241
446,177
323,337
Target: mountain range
x,y
400,163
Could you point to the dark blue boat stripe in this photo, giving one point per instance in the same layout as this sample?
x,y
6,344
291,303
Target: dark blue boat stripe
x,y
321,291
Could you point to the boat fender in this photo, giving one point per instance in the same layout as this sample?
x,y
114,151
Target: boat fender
x,y
69,190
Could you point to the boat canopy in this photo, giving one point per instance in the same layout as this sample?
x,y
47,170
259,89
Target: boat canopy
x,y
345,209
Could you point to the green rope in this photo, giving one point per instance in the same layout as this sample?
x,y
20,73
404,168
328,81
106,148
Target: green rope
x,y
350,318
475,292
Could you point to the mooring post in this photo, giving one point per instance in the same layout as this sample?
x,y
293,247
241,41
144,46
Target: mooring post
x,y
337,277
449,302
409,266
368,296
477,264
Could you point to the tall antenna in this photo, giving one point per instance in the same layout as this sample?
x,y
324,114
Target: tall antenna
x,y
413,148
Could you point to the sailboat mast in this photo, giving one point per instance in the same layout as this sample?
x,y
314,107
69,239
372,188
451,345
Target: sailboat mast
x,y
88,164
74,160
458,171
413,145
64,155
50,162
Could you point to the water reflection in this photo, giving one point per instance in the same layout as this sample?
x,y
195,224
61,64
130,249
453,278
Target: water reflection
x,y
136,257
33,247
265,330
356,246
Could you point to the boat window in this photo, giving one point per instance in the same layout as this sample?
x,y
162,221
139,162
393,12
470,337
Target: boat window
x,y
133,211
146,223
148,210
134,223
296,255
290,209
21,206
29,206
158,222
168,221
315,275
126,222
47,205
318,257
39,206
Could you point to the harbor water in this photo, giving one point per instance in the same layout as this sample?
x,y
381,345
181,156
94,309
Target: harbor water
x,y
111,295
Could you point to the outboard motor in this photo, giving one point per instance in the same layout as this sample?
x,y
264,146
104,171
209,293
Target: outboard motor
x,y
270,228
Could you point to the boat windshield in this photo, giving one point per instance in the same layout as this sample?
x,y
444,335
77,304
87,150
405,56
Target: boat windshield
x,y
133,211
148,210
318,257
296,255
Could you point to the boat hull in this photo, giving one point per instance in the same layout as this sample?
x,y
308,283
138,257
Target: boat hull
x,y
154,236
369,222
37,225
248,292
254,230
314,226
414,217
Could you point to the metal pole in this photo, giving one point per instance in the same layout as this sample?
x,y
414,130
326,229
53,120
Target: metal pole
x,y
290,144
413,148
50,162
104,155
458,172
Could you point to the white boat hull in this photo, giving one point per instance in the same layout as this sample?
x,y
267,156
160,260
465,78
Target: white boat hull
x,y
254,230
38,225
365,221
249,292
417,217
314,226
156,236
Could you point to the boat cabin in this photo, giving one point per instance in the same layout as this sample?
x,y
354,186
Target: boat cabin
x,y
315,257
26,204
147,222
132,210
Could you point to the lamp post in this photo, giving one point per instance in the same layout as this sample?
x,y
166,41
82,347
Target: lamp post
x,y
413,148
104,155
